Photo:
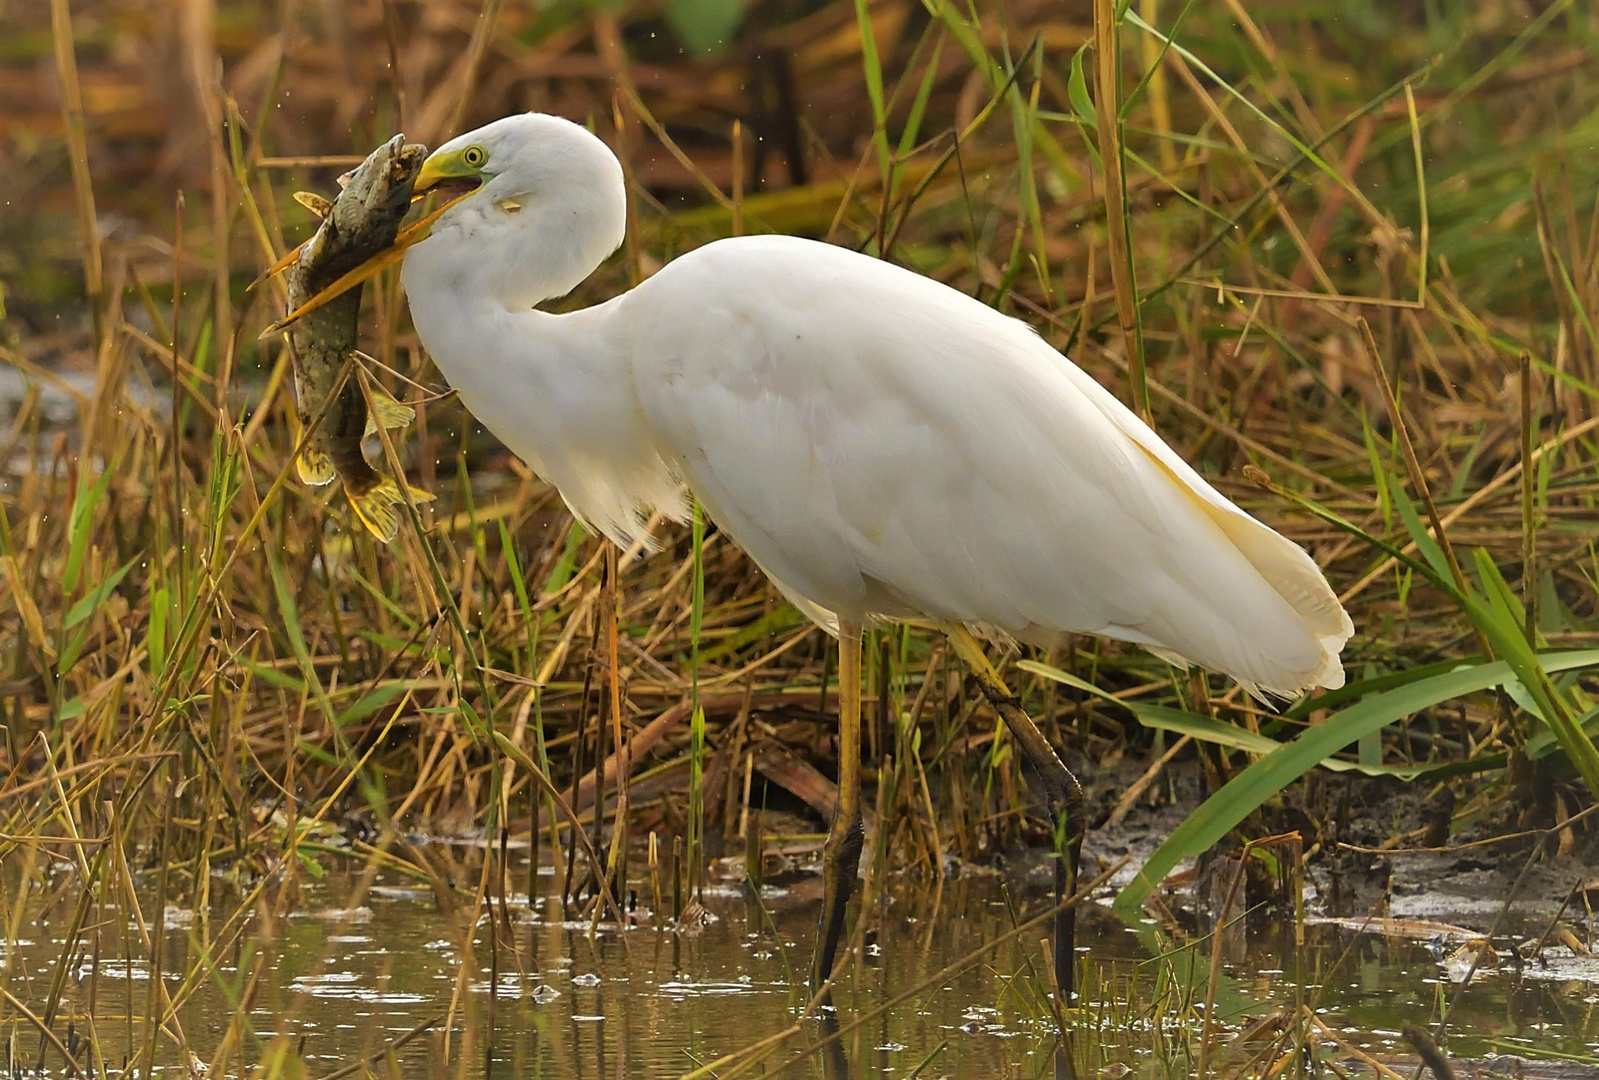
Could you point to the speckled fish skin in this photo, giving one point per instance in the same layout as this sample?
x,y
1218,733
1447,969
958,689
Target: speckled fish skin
x,y
364,220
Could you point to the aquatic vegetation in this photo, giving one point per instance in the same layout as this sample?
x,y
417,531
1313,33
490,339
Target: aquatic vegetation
x,y
233,721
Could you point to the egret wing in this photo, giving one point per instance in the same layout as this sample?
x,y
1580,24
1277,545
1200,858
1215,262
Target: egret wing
x,y
881,444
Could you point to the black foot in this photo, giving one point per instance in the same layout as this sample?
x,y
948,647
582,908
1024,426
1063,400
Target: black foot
x,y
1066,921
835,1062
841,861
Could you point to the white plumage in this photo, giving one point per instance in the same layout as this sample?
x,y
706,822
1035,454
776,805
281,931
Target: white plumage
x,y
880,444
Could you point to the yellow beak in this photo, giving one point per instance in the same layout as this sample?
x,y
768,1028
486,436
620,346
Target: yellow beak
x,y
432,173
441,166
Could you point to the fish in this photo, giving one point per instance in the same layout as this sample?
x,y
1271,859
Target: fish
x,y
360,222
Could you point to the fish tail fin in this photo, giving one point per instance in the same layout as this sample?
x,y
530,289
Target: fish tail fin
x,y
378,508
388,413
315,467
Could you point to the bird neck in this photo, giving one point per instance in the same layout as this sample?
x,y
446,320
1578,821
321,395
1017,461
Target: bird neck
x,y
472,290
557,390
525,374
542,251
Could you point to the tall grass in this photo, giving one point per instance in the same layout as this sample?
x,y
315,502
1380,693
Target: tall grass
x,y
1352,261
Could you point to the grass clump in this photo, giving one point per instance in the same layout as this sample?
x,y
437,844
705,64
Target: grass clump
x,y
1351,259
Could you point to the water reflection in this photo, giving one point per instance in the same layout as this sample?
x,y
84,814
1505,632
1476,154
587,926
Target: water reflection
x,y
542,992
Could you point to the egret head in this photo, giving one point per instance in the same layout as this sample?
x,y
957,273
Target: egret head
x,y
547,205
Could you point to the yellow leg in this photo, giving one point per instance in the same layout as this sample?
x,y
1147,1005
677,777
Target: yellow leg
x,y
842,856
1065,794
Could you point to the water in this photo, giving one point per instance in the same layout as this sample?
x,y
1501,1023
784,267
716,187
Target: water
x,y
340,983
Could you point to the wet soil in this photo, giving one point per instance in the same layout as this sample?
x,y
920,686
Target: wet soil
x,y
1377,848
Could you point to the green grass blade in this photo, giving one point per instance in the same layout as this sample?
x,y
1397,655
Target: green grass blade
x,y
292,629
1208,729
155,634
924,93
566,565
87,606
377,594
80,524
1359,688
784,617
872,66
531,627
968,35
1501,621
373,700
1305,151
1425,542
523,601
90,602
1266,777
1077,91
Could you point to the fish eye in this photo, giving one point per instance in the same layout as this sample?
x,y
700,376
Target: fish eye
x,y
474,156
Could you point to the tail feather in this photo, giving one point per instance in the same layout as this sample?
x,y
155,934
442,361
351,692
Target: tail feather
x,y
1291,573
1281,563
1297,579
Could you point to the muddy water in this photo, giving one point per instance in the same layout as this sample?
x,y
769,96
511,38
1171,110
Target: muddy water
x,y
565,1002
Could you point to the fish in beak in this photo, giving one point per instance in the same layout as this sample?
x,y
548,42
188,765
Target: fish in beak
x,y
447,172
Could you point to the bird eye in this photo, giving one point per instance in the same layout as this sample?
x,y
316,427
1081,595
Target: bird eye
x,y
474,156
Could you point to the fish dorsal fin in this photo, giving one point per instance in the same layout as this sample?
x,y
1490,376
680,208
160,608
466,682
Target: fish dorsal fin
x,y
313,202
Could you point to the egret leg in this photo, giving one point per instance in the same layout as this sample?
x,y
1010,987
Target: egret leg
x,y
835,1060
841,857
1064,793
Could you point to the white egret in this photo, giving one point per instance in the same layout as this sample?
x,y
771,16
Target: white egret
x,y
882,445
